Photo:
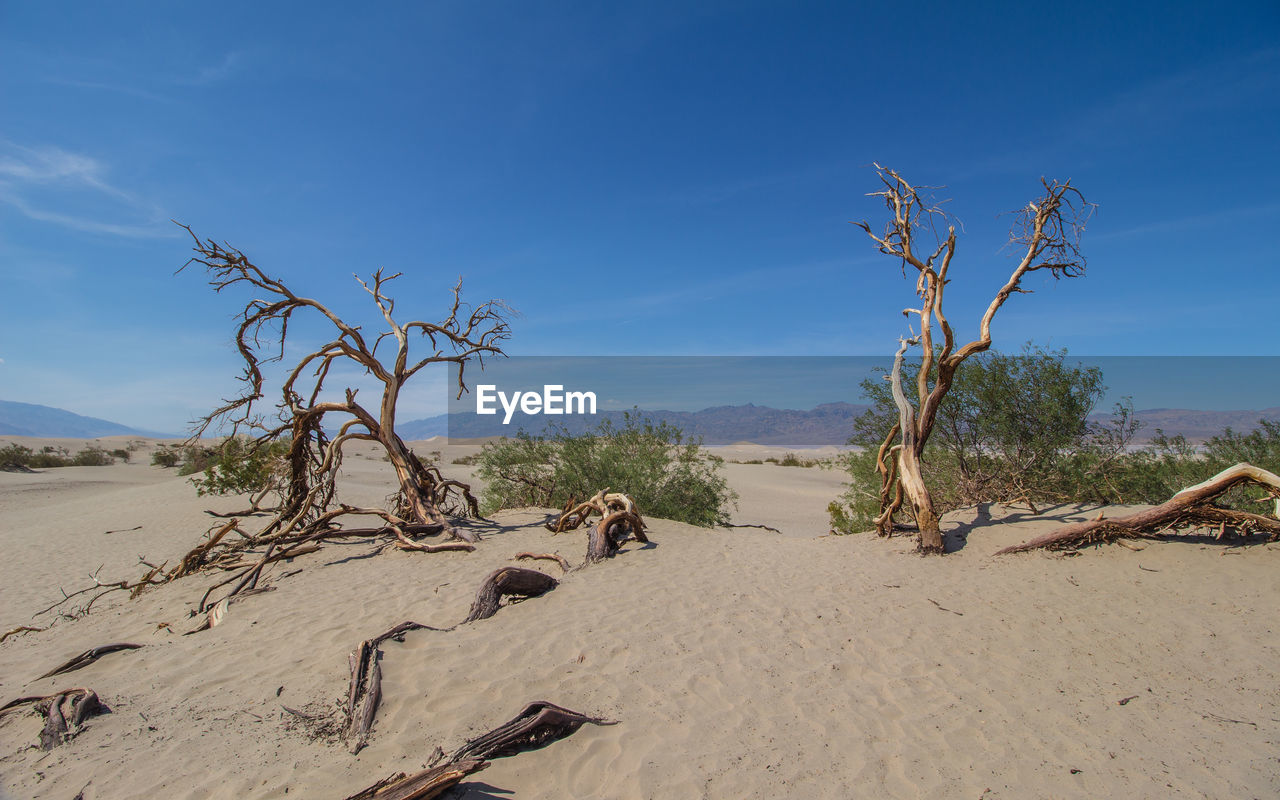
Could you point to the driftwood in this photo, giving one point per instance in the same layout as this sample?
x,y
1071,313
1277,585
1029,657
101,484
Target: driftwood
x,y
509,582
88,657
602,503
365,690
539,724
64,713
1190,507
423,785
607,535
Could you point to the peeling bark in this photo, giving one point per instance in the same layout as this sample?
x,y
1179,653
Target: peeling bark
x,y
508,582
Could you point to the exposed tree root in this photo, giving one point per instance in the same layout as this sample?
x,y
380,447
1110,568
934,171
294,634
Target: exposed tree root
x,y
21,629
1188,508
365,690
607,535
537,725
559,559
602,503
508,582
88,657
64,713
423,785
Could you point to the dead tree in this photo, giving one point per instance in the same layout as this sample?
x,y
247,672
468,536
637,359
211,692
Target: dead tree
x,y
307,412
463,335
1191,507
1046,233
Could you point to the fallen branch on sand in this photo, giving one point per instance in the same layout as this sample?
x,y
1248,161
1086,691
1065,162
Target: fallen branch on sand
x,y
508,582
88,657
20,629
365,690
1190,507
64,713
539,724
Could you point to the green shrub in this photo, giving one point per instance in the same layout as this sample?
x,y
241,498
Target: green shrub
x,y
92,456
123,455
196,458
50,456
1016,429
667,476
239,465
166,456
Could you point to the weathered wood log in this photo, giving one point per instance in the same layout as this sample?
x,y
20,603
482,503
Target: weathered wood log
x,y
423,785
1189,507
508,582
64,713
364,692
88,657
539,724
607,535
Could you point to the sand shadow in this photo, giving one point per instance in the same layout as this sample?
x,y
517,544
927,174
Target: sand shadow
x,y
956,536
486,527
478,790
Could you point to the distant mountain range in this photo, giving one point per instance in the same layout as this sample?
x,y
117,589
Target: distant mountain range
x,y
29,419
827,424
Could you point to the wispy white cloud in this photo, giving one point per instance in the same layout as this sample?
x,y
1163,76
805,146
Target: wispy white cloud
x,y
225,68
65,178
143,231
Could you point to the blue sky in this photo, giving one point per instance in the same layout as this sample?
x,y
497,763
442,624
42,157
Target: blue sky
x,y
656,178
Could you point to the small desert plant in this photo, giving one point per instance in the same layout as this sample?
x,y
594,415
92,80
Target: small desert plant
x,y
467,461
668,476
166,456
237,466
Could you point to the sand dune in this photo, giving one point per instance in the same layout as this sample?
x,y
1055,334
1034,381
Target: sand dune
x,y
739,664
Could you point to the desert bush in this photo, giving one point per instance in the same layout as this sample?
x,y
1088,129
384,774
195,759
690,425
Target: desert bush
x,y
668,476
122,454
196,458
467,461
50,456
1016,429
92,456
239,465
166,456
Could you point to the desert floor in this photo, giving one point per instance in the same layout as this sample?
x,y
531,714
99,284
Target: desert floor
x,y
738,663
